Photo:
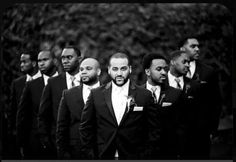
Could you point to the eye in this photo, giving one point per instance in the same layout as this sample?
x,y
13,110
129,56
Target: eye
x,y
124,68
114,68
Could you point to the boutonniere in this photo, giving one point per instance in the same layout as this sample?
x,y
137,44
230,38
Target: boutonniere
x,y
187,87
162,97
130,102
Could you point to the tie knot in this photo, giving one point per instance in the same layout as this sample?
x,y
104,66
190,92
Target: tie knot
x,y
154,89
177,80
72,78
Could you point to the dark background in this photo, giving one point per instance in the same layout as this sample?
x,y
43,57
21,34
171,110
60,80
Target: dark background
x,y
100,28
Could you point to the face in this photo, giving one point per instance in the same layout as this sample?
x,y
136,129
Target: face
x,y
26,64
45,61
192,48
70,60
89,71
181,64
157,72
119,70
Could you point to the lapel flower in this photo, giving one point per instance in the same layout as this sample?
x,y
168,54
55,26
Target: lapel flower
x,y
130,102
187,87
161,98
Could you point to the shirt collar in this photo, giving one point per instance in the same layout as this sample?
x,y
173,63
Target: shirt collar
x,y
171,79
77,76
125,87
37,75
149,86
93,86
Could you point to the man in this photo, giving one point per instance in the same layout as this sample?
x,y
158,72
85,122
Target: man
x,y
168,102
70,109
207,115
28,65
51,97
27,114
119,120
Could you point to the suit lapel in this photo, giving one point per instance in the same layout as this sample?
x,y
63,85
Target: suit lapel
x,y
107,95
132,92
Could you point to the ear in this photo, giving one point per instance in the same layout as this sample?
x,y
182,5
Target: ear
x,y
182,48
147,71
130,69
172,62
55,61
98,72
34,63
108,70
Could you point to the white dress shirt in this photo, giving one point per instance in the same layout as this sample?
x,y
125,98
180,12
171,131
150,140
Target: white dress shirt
x,y
157,92
119,101
173,83
87,90
45,77
37,75
69,81
192,68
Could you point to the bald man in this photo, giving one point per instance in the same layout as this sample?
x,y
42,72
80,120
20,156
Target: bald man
x,y
70,108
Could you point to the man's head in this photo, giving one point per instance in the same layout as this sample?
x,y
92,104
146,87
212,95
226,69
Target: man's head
x,y
90,71
119,68
179,64
28,62
46,61
70,59
155,66
191,46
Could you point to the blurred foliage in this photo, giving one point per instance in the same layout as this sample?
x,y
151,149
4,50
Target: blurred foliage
x,y
100,28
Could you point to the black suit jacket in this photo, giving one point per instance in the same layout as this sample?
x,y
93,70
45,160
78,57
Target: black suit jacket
x,y
16,92
137,133
68,121
48,109
208,112
27,114
170,107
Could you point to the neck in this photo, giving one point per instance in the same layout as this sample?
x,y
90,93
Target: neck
x,y
51,71
74,72
174,72
33,72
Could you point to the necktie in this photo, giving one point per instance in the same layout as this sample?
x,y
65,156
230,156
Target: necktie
x,y
178,83
153,94
72,81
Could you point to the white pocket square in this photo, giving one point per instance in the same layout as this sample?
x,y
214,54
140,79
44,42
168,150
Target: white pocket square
x,y
164,104
203,82
190,97
138,108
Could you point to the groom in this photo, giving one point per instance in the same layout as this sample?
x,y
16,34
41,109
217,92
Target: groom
x,y
119,120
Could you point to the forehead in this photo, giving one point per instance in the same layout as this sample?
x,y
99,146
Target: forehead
x,y
25,57
158,62
88,62
68,51
118,62
192,41
44,54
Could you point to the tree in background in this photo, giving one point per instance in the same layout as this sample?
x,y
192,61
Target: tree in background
x,y
98,29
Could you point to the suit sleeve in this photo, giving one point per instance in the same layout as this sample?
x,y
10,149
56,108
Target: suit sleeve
x,y
87,129
153,123
11,113
23,116
63,125
45,112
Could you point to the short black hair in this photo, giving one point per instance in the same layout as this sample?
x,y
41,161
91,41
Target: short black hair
x,y
184,40
77,51
121,54
33,55
147,59
175,54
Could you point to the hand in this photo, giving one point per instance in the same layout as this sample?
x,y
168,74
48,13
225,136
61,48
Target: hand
x,y
22,152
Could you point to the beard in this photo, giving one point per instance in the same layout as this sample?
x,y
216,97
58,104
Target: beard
x,y
89,80
120,80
